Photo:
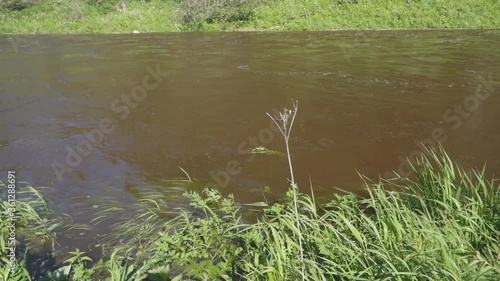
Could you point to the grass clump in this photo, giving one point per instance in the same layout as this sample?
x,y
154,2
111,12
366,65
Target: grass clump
x,y
265,151
32,230
206,241
443,225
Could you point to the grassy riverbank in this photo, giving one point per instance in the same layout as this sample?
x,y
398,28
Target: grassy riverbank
x,y
104,16
442,225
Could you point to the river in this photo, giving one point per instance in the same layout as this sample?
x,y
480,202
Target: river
x,y
93,119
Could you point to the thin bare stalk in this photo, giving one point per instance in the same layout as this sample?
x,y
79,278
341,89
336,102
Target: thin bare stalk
x,y
284,122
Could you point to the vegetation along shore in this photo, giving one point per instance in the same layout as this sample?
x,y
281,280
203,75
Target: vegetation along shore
x,y
127,16
443,224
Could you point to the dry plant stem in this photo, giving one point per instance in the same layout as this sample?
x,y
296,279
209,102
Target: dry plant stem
x,y
285,127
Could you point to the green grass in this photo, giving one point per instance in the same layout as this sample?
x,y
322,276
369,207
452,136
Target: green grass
x,y
444,225
73,16
33,229
78,16
364,14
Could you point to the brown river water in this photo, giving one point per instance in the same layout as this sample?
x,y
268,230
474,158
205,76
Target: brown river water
x,y
90,119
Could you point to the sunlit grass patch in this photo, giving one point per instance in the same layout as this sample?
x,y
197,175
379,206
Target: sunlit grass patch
x,y
55,16
394,14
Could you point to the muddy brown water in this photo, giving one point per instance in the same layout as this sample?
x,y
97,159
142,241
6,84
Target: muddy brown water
x,y
107,118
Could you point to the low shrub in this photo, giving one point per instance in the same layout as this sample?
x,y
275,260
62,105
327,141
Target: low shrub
x,y
17,5
216,11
